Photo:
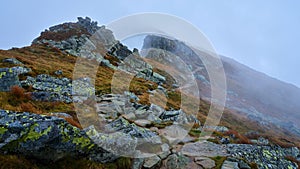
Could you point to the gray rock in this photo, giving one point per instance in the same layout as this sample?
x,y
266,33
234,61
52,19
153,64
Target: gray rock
x,y
88,24
204,148
262,141
142,122
46,138
117,143
261,155
216,128
156,110
243,165
165,151
224,140
9,77
174,133
159,78
230,165
122,125
12,61
48,88
137,163
177,161
205,162
120,51
152,162
58,72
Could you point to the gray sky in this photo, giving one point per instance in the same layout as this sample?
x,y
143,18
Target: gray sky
x,y
261,34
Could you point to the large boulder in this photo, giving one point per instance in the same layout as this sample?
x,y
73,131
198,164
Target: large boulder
x,y
46,138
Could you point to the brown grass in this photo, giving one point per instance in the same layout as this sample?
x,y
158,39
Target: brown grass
x,y
240,139
19,93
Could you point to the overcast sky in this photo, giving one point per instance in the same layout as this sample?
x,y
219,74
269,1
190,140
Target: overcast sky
x,y
264,34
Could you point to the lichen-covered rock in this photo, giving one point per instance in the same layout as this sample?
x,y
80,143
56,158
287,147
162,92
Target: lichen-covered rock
x,y
271,156
122,125
46,138
180,117
177,161
10,77
48,88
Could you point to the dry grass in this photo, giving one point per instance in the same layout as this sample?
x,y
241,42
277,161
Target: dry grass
x,y
239,138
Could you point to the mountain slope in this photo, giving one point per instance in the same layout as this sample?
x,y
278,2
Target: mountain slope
x,y
251,93
146,105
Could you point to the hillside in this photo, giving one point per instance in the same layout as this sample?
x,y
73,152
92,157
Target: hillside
x,y
77,97
250,93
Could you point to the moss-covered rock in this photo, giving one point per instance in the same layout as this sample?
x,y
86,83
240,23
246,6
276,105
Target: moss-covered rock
x,y
46,138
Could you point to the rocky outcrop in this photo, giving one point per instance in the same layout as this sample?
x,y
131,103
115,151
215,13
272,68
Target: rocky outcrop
x,y
46,137
10,77
48,88
90,26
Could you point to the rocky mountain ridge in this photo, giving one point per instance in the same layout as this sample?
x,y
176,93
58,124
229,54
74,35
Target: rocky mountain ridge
x,y
128,115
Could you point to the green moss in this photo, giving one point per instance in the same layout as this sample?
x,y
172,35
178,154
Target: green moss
x,y
219,160
2,74
2,130
83,142
33,135
78,139
267,154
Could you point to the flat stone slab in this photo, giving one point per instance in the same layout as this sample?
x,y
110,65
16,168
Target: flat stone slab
x,y
230,165
204,148
205,162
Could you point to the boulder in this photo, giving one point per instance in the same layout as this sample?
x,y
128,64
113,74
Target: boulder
x,y
176,161
10,77
46,138
12,61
